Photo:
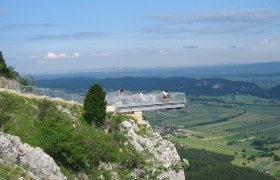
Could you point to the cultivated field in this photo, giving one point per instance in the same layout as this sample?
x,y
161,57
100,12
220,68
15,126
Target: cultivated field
x,y
224,125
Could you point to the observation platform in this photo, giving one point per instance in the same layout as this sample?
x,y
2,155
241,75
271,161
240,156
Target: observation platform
x,y
128,103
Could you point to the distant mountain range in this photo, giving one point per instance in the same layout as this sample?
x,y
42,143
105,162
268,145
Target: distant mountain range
x,y
220,71
259,79
203,86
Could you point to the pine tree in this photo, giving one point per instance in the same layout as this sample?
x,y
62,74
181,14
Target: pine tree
x,y
95,105
3,65
6,71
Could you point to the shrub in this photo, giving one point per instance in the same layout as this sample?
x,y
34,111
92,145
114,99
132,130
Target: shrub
x,y
231,142
252,157
257,143
5,105
60,141
98,147
95,105
276,158
43,106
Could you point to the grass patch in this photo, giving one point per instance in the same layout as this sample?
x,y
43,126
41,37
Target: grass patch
x,y
12,171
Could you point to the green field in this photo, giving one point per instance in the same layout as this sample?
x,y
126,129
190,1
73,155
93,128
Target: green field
x,y
216,121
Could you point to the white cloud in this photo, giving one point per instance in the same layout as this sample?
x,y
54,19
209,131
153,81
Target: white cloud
x,y
33,57
237,47
78,35
268,41
41,61
163,52
52,55
155,51
101,53
76,54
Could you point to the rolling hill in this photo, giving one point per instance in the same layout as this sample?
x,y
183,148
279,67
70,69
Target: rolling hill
x,y
204,86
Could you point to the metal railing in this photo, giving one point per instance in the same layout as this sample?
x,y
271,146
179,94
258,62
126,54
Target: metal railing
x,y
53,93
124,99
117,99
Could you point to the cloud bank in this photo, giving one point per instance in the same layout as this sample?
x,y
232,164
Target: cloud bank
x,y
26,25
101,53
78,35
52,55
213,22
269,41
243,16
190,47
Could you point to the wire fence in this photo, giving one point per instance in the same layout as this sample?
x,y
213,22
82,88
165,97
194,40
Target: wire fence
x,y
48,92
115,98
53,93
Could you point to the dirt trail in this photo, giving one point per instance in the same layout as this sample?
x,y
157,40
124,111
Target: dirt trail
x,y
220,137
32,96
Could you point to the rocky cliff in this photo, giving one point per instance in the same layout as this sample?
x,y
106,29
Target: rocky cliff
x,y
34,160
162,158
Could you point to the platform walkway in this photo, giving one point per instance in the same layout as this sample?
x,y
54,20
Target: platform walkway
x,y
125,103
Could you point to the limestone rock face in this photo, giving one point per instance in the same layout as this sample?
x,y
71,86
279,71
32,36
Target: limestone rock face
x,y
33,159
26,174
162,150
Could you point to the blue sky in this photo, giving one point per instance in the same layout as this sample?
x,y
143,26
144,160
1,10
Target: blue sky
x,y
56,36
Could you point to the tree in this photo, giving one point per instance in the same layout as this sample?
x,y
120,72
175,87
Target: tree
x,y
95,105
3,65
6,71
2,61
27,80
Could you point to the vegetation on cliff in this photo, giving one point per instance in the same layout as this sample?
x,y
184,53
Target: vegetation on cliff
x,y
78,147
95,105
7,71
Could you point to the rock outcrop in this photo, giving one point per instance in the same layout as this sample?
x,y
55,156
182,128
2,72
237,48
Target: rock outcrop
x,y
20,172
164,153
32,159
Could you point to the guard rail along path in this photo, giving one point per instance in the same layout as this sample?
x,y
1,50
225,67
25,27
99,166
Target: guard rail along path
x,y
119,102
42,92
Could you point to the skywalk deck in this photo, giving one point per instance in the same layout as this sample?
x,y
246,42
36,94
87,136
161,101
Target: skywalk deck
x,y
125,103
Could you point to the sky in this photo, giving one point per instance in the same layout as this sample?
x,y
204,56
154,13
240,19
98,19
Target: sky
x,y
68,35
